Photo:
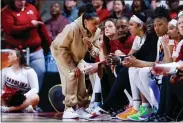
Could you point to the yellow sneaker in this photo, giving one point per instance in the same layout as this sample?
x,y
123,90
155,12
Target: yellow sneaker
x,y
126,113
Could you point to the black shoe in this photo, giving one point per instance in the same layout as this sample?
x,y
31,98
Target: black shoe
x,y
159,118
114,112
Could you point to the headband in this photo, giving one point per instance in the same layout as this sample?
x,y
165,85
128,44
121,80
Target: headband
x,y
173,22
136,19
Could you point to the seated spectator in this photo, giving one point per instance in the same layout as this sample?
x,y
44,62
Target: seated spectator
x,y
174,38
110,5
19,84
100,7
173,8
124,36
120,10
140,105
122,80
57,23
23,26
150,82
70,10
138,6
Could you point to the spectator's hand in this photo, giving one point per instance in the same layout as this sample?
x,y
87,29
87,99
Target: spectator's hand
x,y
87,42
93,70
36,23
165,41
129,61
113,60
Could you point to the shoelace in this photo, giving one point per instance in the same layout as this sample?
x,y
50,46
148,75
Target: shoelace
x,y
70,110
89,110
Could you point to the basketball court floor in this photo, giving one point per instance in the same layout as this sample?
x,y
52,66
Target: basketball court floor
x,y
43,117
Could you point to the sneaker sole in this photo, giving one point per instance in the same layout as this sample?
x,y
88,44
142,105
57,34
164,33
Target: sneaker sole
x,y
85,117
103,117
128,118
143,119
121,118
64,117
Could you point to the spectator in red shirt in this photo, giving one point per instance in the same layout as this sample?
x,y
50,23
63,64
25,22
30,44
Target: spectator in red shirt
x,y
23,26
125,41
100,7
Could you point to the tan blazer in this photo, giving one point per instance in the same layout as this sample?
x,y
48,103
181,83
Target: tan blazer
x,y
69,43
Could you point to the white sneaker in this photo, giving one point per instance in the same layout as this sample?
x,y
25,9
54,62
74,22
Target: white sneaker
x,y
100,114
89,110
4,109
83,114
29,109
70,114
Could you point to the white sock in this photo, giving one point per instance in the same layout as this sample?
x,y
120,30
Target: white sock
x,y
136,105
146,105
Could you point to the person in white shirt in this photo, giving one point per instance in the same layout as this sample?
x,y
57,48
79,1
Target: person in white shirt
x,y
174,38
18,78
143,77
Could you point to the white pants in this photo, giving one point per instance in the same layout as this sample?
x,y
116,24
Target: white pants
x,y
137,85
144,75
96,89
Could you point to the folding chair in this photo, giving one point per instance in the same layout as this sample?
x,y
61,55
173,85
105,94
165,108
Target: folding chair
x,y
56,98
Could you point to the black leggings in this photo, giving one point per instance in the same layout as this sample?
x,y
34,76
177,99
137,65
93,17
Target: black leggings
x,y
117,96
171,96
107,82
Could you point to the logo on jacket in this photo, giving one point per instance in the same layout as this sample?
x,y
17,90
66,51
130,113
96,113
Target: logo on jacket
x,y
30,12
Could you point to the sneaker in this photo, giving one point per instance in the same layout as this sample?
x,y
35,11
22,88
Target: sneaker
x,y
83,114
114,112
38,109
100,114
4,109
126,113
69,113
29,109
146,116
143,111
89,110
159,118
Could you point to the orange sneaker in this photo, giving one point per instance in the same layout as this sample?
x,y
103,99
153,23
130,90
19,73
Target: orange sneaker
x,y
126,113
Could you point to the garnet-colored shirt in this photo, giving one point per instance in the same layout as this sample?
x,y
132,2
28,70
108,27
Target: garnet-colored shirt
x,y
103,14
125,46
20,31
